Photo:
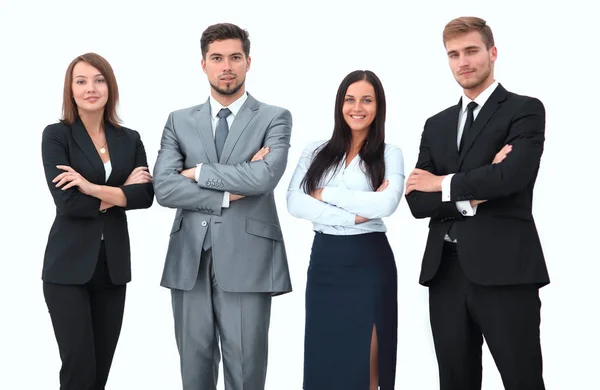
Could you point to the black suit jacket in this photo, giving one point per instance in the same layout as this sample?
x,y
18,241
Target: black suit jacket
x,y
74,241
500,244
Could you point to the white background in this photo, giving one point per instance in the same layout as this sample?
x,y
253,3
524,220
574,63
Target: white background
x,y
300,53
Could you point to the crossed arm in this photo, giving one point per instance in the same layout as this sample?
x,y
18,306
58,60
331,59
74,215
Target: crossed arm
x,y
338,206
501,178
177,187
75,196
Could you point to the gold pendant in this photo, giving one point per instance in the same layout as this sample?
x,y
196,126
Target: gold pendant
x,y
102,150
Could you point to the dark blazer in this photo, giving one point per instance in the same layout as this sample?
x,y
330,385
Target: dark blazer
x,y
75,237
500,244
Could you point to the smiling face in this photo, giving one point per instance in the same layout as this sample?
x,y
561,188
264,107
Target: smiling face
x,y
360,106
90,90
225,66
471,62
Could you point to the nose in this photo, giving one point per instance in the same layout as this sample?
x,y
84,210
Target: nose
x,y
463,60
226,65
357,106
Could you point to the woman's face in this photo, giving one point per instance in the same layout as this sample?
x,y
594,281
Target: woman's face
x,y
360,106
90,90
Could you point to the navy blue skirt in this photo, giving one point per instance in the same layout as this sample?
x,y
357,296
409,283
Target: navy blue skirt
x,y
351,288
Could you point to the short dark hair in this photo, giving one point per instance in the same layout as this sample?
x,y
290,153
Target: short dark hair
x,y
466,24
222,31
69,109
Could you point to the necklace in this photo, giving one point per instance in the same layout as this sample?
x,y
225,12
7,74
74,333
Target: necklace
x,y
101,148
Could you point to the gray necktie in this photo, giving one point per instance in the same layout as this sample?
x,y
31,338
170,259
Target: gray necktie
x,y
221,131
220,136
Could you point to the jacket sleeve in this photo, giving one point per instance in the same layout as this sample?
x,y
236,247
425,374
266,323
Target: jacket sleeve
x,y
257,177
70,202
518,170
174,190
139,196
429,204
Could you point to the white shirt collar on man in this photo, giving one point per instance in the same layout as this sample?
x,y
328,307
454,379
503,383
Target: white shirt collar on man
x,y
234,107
480,99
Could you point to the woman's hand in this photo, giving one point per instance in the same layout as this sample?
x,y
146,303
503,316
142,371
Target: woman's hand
x,y
139,175
71,178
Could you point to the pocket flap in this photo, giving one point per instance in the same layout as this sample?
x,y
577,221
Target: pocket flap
x,y
263,229
176,225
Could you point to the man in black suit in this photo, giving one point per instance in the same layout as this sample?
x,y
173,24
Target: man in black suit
x,y
474,179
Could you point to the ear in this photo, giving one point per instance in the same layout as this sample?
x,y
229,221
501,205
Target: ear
x,y
203,63
248,61
493,54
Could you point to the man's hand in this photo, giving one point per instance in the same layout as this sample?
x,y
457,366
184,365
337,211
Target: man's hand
x,y
498,158
424,181
261,154
233,197
501,155
190,173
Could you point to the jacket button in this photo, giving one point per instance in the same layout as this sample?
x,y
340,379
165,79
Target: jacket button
x,y
204,223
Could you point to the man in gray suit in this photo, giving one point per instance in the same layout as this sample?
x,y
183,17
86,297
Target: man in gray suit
x,y
218,165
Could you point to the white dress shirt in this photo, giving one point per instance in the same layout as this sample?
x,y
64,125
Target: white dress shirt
x,y
464,206
107,171
347,193
215,107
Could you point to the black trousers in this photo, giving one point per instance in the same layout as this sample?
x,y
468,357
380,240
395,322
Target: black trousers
x,y
463,313
87,322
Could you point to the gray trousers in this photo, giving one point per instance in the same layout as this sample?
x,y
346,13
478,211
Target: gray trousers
x,y
207,314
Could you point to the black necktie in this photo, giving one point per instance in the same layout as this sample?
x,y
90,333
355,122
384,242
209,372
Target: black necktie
x,y
221,131
468,123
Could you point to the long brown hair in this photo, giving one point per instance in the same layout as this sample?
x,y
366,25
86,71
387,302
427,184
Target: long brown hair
x,y
372,151
69,108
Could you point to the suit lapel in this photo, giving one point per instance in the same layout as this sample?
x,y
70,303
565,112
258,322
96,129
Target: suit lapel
x,y
204,123
83,140
452,136
486,113
244,116
115,148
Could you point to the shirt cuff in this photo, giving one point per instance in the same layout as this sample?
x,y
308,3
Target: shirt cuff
x,y
225,200
446,187
197,173
464,206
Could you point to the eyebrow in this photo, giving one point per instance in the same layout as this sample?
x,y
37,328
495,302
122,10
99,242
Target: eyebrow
x,y
221,55
348,95
465,48
98,75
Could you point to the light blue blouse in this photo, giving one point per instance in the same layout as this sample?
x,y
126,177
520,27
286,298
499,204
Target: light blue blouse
x,y
347,193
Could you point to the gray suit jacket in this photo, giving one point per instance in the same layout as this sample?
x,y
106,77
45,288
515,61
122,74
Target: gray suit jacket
x,y
247,243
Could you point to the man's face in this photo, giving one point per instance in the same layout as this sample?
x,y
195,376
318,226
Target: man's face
x,y
225,66
472,64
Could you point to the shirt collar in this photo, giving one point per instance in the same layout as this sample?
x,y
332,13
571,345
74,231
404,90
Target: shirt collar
x,y
481,98
234,107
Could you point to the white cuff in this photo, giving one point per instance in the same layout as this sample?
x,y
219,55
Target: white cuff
x,y
446,187
464,206
225,200
197,172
